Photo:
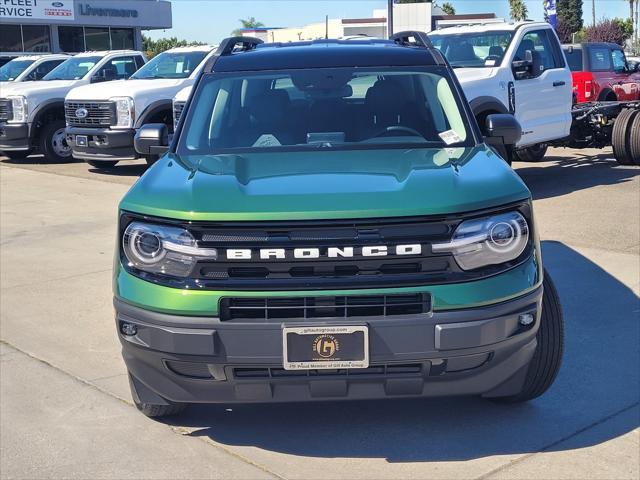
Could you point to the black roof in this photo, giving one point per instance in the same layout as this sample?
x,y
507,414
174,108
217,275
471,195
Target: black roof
x,y
326,53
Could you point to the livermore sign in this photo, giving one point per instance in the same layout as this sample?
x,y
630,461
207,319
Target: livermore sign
x,y
89,11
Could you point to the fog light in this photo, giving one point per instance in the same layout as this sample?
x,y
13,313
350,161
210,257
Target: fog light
x,y
526,319
128,329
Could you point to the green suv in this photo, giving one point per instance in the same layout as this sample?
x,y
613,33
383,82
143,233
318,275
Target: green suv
x,y
328,223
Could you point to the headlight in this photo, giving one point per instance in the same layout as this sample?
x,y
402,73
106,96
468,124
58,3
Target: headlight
x,y
487,241
20,110
125,112
161,249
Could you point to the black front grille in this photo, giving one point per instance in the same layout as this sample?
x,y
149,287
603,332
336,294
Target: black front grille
x,y
274,308
99,114
387,370
6,110
178,107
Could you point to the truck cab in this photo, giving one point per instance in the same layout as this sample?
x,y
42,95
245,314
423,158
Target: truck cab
x,y
32,116
146,97
601,72
511,68
29,68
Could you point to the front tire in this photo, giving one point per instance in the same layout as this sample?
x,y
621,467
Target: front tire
x,y
102,164
534,153
545,364
53,143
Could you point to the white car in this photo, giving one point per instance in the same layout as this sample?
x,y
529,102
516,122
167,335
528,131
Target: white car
x,y
102,140
32,113
516,68
179,101
27,68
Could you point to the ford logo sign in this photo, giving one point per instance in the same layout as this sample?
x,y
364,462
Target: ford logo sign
x,y
82,113
57,4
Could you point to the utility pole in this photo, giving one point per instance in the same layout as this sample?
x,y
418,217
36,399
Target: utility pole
x,y
390,17
326,27
593,10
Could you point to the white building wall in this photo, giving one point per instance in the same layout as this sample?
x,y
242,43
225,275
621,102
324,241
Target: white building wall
x,y
412,16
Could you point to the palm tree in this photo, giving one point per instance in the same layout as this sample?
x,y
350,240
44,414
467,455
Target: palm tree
x,y
518,10
250,22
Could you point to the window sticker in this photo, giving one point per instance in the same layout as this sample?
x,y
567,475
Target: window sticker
x,y
450,137
267,140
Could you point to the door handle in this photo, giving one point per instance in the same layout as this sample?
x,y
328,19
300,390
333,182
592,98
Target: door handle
x,y
559,84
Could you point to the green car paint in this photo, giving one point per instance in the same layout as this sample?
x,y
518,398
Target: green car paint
x,y
334,184
327,185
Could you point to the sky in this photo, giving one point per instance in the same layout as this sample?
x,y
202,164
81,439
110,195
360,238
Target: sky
x,y
210,21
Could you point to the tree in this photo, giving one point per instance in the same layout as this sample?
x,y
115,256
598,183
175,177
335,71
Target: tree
x,y
448,8
569,16
518,10
607,31
154,47
250,22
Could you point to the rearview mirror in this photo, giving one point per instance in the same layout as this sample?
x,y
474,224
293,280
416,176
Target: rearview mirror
x,y
503,128
152,139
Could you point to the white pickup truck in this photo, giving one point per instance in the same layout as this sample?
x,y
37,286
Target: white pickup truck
x,y
29,68
32,113
516,68
102,141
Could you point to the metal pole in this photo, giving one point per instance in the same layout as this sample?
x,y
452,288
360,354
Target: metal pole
x,y
326,27
389,17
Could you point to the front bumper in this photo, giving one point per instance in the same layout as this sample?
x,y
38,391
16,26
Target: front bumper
x,y
199,359
14,137
102,144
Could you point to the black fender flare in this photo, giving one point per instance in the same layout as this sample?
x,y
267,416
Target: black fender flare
x,y
152,109
605,92
43,107
484,104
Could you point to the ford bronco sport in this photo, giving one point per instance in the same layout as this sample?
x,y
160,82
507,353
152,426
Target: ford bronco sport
x,y
329,223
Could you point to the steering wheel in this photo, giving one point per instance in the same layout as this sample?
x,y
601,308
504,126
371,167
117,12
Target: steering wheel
x,y
398,128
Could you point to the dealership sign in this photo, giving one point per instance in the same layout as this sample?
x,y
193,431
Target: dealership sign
x,y
37,9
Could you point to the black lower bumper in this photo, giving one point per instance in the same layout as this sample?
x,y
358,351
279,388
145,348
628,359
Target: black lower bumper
x,y
102,144
480,351
14,137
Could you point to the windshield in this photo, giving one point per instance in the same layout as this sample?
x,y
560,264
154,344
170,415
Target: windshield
x,y
10,70
327,108
171,65
473,50
73,69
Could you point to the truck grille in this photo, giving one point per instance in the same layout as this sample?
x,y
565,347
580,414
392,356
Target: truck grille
x,y
178,107
99,114
274,308
6,110
410,369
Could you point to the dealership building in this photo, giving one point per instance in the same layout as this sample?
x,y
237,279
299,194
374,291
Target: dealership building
x,y
52,26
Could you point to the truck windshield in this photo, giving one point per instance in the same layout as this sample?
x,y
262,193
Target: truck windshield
x,y
171,65
474,49
325,108
10,70
73,69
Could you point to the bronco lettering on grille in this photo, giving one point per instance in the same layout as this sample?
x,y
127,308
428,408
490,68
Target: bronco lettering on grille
x,y
327,252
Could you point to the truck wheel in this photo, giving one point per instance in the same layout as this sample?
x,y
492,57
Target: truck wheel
x,y
635,140
545,364
16,155
621,136
102,164
53,142
534,153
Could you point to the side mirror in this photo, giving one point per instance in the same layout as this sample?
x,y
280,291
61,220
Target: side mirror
x,y
106,75
152,139
530,67
503,128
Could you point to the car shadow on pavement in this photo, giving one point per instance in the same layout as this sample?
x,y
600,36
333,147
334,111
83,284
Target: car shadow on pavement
x,y
124,170
559,175
34,160
599,378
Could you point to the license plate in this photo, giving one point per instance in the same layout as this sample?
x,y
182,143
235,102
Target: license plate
x,y
82,140
325,347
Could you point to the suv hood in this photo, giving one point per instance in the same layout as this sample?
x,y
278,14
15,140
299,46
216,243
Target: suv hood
x,y
161,87
49,89
323,185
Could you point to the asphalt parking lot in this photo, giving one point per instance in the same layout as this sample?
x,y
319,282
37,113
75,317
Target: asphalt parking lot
x,y
65,409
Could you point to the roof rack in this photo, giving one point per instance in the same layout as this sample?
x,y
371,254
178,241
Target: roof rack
x,y
412,38
230,45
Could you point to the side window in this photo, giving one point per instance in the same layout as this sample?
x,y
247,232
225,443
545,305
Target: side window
x,y
119,68
139,62
539,43
600,59
619,61
44,68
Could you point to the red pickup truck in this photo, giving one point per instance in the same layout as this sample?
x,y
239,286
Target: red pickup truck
x,y
601,73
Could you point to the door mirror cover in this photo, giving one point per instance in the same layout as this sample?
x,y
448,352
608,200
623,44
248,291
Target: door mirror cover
x,y
152,139
503,127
